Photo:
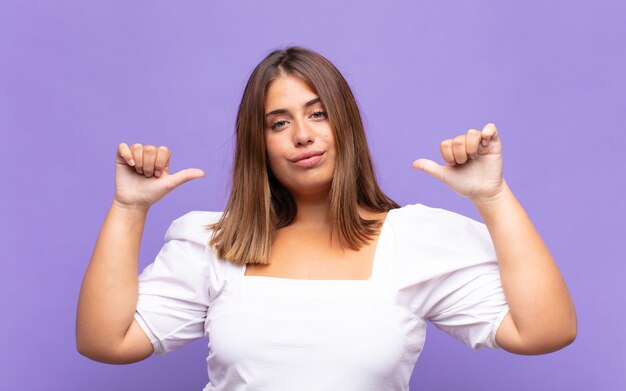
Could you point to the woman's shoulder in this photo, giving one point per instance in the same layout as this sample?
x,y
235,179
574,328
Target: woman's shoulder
x,y
419,227
421,215
431,242
193,226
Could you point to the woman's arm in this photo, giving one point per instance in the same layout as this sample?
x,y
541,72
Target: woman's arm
x,y
108,296
541,315
105,327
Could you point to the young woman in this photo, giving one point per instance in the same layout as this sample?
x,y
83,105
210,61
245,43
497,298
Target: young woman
x,y
312,278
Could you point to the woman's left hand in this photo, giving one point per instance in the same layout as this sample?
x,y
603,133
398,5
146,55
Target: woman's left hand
x,y
474,167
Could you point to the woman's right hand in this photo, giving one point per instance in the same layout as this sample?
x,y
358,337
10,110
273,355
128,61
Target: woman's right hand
x,y
142,175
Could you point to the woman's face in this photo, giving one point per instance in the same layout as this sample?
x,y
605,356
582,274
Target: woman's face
x,y
299,139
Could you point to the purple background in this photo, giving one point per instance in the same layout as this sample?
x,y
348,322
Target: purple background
x,y
77,78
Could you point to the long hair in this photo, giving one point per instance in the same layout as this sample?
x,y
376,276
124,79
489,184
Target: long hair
x,y
258,203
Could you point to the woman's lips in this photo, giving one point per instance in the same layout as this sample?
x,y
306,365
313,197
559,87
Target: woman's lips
x,y
308,160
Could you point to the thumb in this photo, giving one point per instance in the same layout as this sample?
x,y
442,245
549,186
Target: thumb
x,y
429,167
183,176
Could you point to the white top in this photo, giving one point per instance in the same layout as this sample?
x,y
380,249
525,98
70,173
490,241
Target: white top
x,y
269,333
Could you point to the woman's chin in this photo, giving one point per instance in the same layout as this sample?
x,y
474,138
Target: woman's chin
x,y
310,189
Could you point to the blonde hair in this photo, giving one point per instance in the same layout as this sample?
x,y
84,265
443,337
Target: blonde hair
x,y
258,203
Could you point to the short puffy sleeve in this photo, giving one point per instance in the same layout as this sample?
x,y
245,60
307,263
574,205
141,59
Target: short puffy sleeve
x,y
452,275
469,304
173,290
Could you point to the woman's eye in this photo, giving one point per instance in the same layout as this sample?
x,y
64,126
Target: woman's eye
x,y
278,124
319,114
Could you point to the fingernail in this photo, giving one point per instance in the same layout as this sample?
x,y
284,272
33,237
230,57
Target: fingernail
x,y
484,143
157,173
131,162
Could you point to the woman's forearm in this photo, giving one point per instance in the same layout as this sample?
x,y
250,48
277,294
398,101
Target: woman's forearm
x,y
540,305
108,295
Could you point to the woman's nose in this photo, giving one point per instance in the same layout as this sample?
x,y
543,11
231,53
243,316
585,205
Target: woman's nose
x,y
302,134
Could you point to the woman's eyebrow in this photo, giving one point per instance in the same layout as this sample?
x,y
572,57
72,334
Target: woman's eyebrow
x,y
283,111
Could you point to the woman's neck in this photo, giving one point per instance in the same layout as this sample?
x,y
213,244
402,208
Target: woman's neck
x,y
312,211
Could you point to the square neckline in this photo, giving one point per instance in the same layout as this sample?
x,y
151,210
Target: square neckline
x,y
373,272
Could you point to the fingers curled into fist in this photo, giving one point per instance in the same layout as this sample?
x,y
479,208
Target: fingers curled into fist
x,y
472,140
459,150
148,160
465,147
124,152
137,151
162,160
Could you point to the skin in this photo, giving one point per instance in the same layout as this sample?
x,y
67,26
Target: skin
x,y
106,330
301,127
527,270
